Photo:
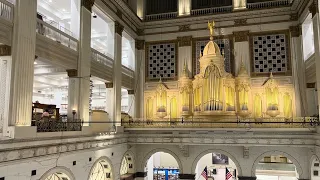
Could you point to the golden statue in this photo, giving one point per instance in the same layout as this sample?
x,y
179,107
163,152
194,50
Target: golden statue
x,y
211,28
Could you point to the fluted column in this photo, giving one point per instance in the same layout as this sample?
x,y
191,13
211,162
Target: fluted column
x,y
298,70
73,94
241,48
84,60
139,78
185,54
23,55
316,25
117,73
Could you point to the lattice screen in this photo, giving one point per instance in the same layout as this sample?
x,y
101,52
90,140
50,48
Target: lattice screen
x,y
162,61
224,44
269,53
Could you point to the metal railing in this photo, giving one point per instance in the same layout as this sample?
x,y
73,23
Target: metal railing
x,y
57,35
301,122
101,58
213,10
268,4
58,126
169,15
6,10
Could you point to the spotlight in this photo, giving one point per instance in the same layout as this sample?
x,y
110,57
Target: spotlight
x,y
94,15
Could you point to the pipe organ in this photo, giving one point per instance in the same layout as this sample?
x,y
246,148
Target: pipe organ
x,y
215,93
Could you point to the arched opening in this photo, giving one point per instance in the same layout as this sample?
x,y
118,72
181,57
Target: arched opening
x,y
58,176
58,173
162,165
315,169
276,167
101,170
217,166
127,167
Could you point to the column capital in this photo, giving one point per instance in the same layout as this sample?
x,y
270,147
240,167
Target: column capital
x,y
140,44
184,41
313,8
118,28
5,50
130,92
187,176
87,4
295,31
109,85
240,36
246,178
72,72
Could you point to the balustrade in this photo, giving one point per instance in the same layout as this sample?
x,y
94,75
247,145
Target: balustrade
x,y
57,35
58,126
213,10
6,10
268,4
169,15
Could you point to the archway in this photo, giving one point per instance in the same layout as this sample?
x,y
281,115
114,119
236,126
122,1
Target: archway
x,y
162,165
101,170
127,168
58,173
217,165
275,167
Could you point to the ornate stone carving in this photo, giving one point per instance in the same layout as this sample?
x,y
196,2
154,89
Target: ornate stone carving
x,y
295,31
109,85
118,28
294,17
5,50
184,27
184,150
240,36
119,13
185,41
140,44
87,4
72,72
313,8
240,22
130,91
140,32
246,152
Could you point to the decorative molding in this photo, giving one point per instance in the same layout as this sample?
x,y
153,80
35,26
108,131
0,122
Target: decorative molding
x,y
87,4
184,41
118,28
109,85
240,22
184,150
240,36
295,31
246,152
140,32
140,44
119,13
294,17
313,8
72,72
184,28
5,50
130,92
311,85
187,176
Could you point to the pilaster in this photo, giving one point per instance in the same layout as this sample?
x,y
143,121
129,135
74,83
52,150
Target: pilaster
x,y
84,61
185,53
241,50
23,55
117,73
109,99
139,77
73,94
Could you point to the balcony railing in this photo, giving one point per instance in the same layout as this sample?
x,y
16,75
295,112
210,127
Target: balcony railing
x,y
213,10
301,122
268,4
58,126
6,10
169,15
101,58
57,35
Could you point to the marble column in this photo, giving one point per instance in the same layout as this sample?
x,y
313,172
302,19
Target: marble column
x,y
84,60
23,55
184,7
187,176
109,100
139,78
73,94
316,25
298,71
185,54
241,51
117,73
246,178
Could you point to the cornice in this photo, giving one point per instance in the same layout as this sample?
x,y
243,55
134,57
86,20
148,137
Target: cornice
x,y
128,12
87,4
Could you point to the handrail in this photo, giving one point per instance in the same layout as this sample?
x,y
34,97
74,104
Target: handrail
x,y
169,15
213,10
6,10
300,122
268,4
101,58
55,34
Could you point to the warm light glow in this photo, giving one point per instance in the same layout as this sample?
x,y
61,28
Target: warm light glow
x,y
184,7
